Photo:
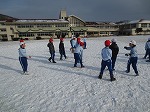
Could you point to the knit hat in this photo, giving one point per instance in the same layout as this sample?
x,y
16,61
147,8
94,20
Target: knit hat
x,y
81,43
21,43
61,39
107,43
133,42
21,40
114,40
51,40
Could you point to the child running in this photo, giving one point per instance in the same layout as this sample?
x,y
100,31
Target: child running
x,y
133,57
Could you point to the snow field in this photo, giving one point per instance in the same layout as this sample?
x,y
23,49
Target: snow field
x,y
61,88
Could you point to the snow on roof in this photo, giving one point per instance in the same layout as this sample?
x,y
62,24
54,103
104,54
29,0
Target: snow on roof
x,y
41,20
139,21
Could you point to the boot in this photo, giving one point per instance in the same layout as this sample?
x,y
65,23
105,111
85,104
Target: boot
x,y
100,76
50,59
112,79
54,61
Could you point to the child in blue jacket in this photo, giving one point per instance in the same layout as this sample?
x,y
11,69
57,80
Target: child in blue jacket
x,y
106,54
23,58
133,57
78,53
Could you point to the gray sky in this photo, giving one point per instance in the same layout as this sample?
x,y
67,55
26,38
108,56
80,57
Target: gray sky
x,y
87,10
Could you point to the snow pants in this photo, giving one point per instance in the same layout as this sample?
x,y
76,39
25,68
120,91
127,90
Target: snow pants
x,y
113,62
78,58
62,53
24,63
107,63
133,61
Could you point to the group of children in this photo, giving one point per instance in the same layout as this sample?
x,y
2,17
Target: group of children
x,y
108,53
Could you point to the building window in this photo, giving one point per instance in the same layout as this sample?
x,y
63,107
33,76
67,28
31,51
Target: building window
x,y
26,35
3,30
133,25
144,25
44,34
25,26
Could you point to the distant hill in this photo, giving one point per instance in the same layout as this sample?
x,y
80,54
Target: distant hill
x,y
5,17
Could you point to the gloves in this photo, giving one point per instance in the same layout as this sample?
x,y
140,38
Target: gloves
x,y
125,47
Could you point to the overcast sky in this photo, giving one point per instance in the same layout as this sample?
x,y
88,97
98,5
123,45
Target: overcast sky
x,y
87,10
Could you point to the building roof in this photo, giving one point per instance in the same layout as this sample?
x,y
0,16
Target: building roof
x,y
42,20
77,18
139,21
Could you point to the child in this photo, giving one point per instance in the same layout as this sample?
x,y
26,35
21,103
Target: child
x,y
147,48
51,50
73,43
62,49
23,57
133,57
78,53
84,40
115,49
106,54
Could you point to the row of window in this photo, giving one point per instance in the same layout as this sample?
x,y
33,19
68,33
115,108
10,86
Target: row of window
x,y
3,30
42,25
145,25
26,34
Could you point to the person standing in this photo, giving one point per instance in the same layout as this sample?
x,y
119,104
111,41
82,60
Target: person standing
x,y
23,58
73,43
51,50
78,53
106,55
133,57
84,40
62,49
115,49
147,48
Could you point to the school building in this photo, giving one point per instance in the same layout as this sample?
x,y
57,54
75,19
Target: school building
x,y
13,29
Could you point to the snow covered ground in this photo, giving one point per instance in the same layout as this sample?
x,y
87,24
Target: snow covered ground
x,y
61,88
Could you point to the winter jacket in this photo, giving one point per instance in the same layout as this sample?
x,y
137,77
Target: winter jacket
x,y
51,47
78,49
115,49
133,51
61,47
22,52
147,45
106,53
73,43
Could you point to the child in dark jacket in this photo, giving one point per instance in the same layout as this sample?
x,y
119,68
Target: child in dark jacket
x,y
62,49
106,54
133,57
147,48
51,50
115,49
23,57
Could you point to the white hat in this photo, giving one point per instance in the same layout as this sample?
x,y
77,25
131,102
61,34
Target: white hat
x,y
114,40
133,42
21,43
